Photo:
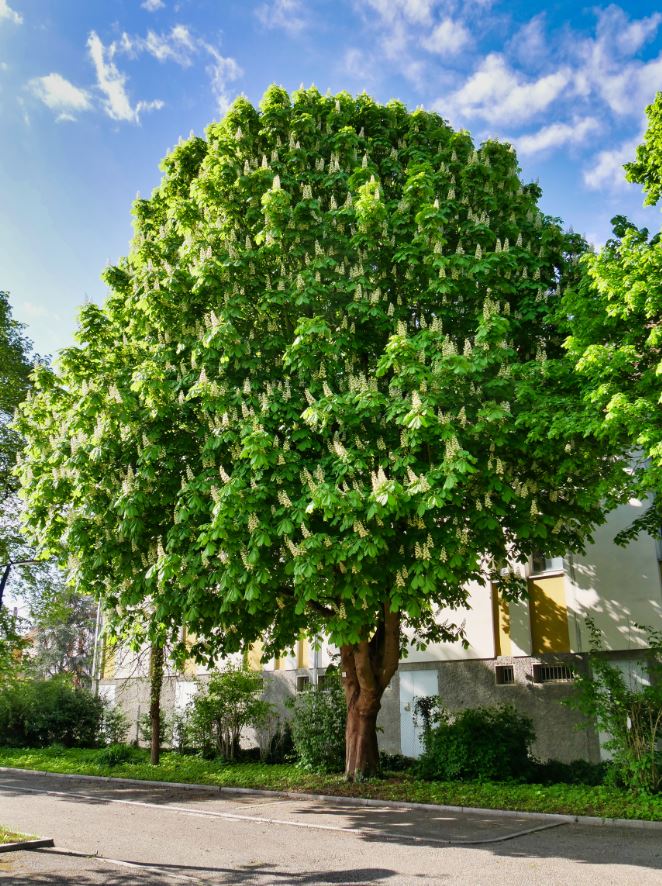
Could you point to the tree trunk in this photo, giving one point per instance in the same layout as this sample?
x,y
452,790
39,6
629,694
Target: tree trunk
x,y
367,670
156,680
3,581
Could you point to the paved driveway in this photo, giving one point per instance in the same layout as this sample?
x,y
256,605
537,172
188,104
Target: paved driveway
x,y
158,835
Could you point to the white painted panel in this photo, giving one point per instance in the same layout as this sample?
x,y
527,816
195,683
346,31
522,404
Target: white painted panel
x,y
477,621
617,587
107,693
414,685
185,691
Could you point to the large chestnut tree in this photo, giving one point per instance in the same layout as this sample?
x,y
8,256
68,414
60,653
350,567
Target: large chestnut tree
x,y
324,393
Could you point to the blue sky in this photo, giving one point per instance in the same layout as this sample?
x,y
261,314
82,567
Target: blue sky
x,y
94,92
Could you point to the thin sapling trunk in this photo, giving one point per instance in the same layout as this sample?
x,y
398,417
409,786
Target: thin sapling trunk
x,y
156,659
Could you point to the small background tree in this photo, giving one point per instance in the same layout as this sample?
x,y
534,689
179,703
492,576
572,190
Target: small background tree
x,y
629,711
227,705
319,722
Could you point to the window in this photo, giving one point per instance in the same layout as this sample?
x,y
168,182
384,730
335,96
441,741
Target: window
x,y
303,682
552,673
540,563
504,675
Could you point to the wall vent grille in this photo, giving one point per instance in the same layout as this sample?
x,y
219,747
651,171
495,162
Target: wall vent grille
x,y
556,673
504,675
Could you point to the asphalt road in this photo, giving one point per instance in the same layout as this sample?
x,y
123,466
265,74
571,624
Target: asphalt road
x,y
160,836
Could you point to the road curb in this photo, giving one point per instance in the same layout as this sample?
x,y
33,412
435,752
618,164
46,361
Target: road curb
x,y
27,844
590,820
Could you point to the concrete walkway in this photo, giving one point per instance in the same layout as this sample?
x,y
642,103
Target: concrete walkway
x,y
162,835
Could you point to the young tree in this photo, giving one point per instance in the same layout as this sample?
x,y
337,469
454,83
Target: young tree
x,y
615,325
15,368
63,631
325,391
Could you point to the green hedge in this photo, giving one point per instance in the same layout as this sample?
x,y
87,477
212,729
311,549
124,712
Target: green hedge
x,y
37,713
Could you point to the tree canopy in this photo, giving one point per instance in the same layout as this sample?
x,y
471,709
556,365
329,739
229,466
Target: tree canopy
x,y
18,570
324,393
646,168
15,368
615,320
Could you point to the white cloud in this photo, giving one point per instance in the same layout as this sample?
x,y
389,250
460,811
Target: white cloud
x,y
181,47
416,11
605,67
358,64
606,169
447,38
498,94
529,45
557,134
152,5
223,70
625,35
626,89
177,46
60,96
288,15
112,84
6,12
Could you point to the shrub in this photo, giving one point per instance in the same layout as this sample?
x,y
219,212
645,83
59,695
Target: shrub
x,y
576,772
37,713
318,726
145,729
395,762
281,746
115,754
632,716
114,724
477,743
181,733
229,703
13,646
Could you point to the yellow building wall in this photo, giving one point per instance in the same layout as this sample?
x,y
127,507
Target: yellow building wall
x,y
254,657
548,610
190,668
302,653
108,661
501,623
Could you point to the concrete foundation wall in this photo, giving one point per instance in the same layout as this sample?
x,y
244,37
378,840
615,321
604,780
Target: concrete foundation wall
x,y
471,684
462,684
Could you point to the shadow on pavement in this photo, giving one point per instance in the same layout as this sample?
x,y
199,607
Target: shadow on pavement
x,y
584,844
407,827
45,868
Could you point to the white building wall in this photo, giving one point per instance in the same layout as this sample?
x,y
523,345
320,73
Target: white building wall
x,y
617,587
477,621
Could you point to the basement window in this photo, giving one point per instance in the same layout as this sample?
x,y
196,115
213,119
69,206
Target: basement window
x,y
303,683
552,673
504,675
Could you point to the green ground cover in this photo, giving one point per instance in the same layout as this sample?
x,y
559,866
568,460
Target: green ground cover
x,y
7,836
603,801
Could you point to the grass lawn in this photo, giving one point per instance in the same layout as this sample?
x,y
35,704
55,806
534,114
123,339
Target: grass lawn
x,y
602,801
7,836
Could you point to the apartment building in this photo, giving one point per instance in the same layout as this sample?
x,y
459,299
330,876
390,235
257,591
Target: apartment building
x,y
523,653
